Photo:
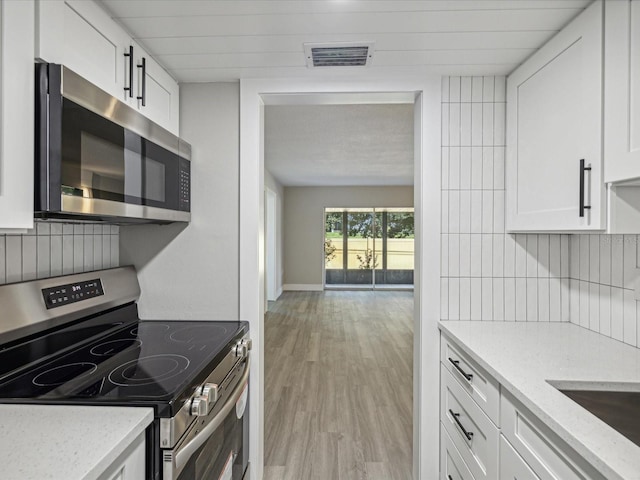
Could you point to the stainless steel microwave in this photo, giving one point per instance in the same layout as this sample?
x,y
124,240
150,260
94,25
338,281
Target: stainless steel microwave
x,y
97,158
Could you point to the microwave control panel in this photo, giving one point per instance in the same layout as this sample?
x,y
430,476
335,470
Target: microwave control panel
x,y
185,185
72,293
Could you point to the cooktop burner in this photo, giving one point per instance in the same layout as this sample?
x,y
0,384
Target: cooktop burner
x,y
148,370
58,375
114,346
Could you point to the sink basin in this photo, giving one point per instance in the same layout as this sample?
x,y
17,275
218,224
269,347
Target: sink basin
x,y
619,410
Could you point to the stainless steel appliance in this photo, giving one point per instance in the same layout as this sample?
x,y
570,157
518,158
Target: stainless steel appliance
x,y
78,340
98,158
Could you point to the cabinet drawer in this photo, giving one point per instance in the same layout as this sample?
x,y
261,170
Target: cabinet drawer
x,y
472,432
548,455
452,467
512,466
480,386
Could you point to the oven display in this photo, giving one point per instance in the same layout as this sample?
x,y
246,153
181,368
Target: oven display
x,y
71,293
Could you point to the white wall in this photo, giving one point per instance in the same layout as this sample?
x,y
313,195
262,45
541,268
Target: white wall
x,y
191,271
275,186
304,225
487,274
51,249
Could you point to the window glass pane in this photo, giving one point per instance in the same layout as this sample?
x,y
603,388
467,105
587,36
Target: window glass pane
x,y
333,240
400,240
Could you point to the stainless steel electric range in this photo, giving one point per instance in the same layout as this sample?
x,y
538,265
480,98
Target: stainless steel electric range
x,y
77,339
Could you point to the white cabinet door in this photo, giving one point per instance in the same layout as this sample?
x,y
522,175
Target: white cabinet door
x,y
82,36
16,114
554,119
130,465
161,92
512,466
622,90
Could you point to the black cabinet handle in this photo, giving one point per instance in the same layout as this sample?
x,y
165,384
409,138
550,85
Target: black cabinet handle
x,y
130,55
143,97
583,207
455,416
449,477
456,364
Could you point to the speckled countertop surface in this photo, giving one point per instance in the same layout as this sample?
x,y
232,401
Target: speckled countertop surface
x,y
71,442
524,356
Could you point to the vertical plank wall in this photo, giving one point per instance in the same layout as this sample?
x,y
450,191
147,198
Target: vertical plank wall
x,y
52,249
487,274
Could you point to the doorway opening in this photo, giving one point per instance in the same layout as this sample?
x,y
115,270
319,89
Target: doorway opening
x,y
369,248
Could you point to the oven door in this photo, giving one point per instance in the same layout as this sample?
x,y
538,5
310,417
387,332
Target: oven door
x,y
217,447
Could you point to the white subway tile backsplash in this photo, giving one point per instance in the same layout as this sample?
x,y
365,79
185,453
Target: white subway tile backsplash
x,y
465,298
465,255
465,168
465,89
594,258
56,254
487,299
476,255
43,257
617,260
584,257
617,313
454,89
454,124
594,307
487,124
630,259
97,251
605,309
584,304
605,259
465,124
544,300
488,94
444,255
115,249
29,257
521,299
476,299
488,274
630,327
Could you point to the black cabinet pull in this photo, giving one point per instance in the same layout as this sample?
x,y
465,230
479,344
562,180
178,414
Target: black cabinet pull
x,y
455,416
449,477
583,207
143,97
456,364
130,55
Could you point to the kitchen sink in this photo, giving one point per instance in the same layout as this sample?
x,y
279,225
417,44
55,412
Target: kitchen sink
x,y
618,409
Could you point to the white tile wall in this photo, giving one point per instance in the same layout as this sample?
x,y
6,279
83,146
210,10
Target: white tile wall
x,y
485,273
52,249
602,297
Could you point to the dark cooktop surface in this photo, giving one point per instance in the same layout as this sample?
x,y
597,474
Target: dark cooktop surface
x,y
124,360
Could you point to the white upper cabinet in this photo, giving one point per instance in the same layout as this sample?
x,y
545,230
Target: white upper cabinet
x,y
554,120
16,115
80,35
622,90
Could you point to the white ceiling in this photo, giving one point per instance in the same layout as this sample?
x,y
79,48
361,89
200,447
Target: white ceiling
x,y
224,40
317,145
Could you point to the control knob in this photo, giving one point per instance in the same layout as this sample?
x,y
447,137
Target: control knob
x,y
199,406
210,392
242,347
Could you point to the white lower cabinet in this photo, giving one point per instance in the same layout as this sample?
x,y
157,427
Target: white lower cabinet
x,y
130,465
515,446
453,467
472,432
512,466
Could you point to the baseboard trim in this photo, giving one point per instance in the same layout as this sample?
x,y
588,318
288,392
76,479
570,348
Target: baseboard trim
x,y
279,292
302,287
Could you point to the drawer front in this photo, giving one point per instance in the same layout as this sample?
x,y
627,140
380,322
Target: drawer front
x,y
512,466
472,432
480,386
548,455
452,467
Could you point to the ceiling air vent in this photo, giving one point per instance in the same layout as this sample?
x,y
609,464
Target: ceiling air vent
x,y
338,54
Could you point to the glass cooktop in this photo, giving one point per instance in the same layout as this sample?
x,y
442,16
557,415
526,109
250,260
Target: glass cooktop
x,y
123,361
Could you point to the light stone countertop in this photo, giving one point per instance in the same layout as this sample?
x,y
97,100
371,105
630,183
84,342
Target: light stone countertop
x,y
72,442
523,356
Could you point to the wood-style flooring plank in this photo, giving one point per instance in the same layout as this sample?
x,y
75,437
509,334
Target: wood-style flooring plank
x,y
339,385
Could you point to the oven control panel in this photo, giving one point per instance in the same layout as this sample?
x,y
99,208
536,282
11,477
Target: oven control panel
x,y
72,293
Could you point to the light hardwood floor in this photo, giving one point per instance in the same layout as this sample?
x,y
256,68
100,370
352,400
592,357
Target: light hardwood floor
x,y
338,386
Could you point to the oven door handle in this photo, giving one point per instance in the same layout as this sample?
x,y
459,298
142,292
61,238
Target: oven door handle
x,y
187,451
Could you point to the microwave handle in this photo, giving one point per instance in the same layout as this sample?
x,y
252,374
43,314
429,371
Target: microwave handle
x,y
187,451
143,96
